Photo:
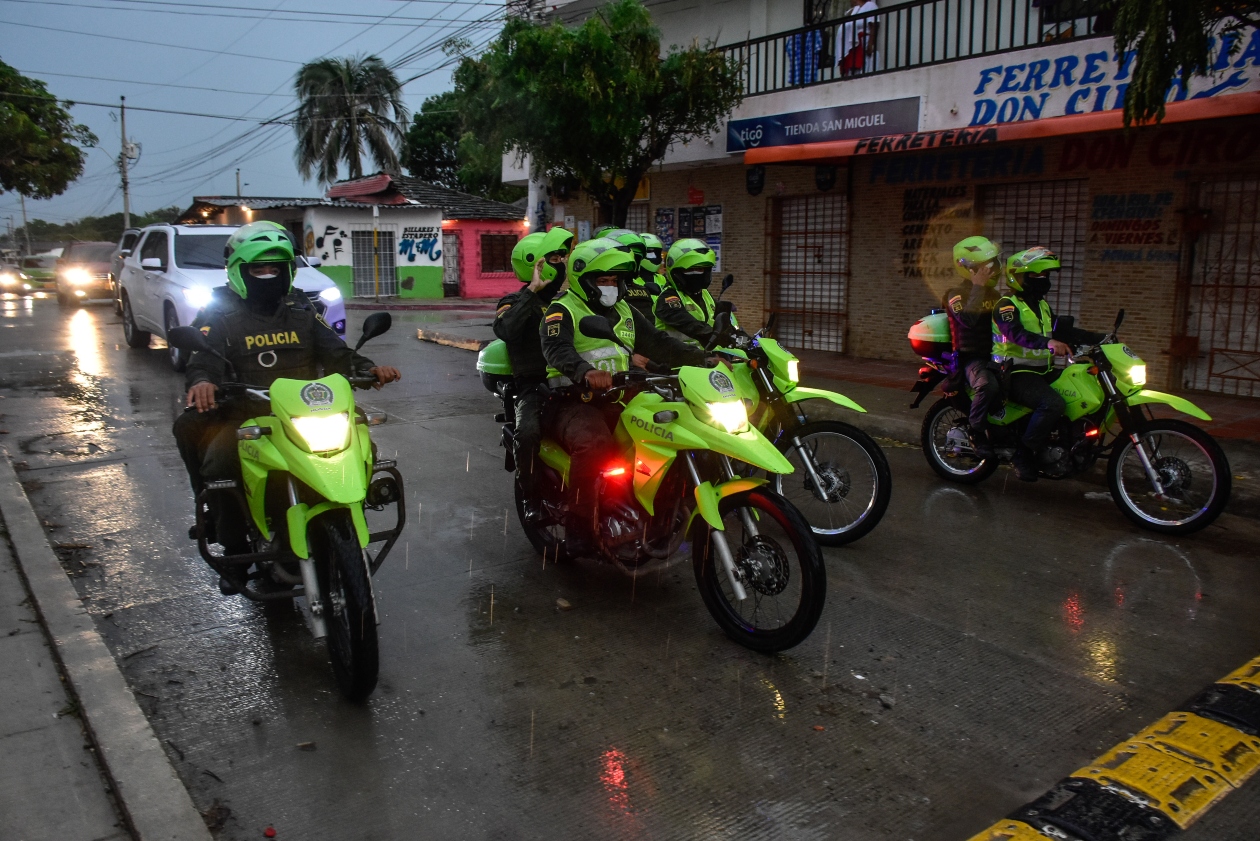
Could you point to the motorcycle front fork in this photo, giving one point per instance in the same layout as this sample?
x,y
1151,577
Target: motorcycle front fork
x,y
1130,423
310,581
718,537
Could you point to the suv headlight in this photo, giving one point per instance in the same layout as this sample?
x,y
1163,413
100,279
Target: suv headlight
x,y
331,294
77,277
197,296
731,415
323,433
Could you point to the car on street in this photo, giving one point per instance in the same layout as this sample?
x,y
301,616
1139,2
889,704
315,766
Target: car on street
x,y
82,273
125,244
40,270
168,276
13,280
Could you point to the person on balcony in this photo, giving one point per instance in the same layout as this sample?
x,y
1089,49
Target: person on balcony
x,y
855,40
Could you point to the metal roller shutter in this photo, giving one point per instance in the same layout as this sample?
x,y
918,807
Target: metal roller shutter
x,y
808,272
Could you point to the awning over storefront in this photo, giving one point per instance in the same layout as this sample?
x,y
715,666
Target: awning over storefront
x,y
1208,108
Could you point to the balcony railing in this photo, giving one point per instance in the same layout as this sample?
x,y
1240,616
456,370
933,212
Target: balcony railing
x,y
915,34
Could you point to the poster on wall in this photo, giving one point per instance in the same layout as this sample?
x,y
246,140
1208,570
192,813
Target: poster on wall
x,y
713,219
583,231
665,225
714,241
684,222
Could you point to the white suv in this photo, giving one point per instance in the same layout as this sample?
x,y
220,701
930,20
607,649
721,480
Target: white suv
x,y
168,276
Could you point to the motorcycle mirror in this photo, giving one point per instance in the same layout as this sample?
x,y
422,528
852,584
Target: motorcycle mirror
x,y
727,282
597,327
187,338
770,322
1119,321
723,307
373,326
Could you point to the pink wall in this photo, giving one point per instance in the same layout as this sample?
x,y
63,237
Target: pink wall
x,y
473,283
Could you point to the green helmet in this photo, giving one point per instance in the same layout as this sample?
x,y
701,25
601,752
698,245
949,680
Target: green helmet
x,y
974,252
597,257
257,242
1035,261
540,244
689,264
655,254
628,238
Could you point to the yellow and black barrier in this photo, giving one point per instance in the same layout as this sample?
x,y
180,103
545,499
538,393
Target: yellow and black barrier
x,y
1160,781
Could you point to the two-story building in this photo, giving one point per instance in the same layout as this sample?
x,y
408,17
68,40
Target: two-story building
x,y
869,143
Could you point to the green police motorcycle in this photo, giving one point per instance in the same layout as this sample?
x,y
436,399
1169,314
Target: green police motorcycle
x,y
759,573
310,472
841,481
1165,475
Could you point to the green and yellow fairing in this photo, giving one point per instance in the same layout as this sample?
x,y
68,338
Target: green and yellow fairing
x,y
313,434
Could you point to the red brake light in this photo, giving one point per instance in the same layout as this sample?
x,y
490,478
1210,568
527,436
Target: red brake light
x,y
1091,433
614,471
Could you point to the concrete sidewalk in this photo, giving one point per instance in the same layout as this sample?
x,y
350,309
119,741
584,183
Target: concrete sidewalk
x,y
424,304
51,785
882,387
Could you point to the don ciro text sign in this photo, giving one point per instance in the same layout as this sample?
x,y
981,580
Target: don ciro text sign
x,y
842,122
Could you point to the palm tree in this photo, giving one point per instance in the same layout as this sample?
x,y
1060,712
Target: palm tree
x,y
346,104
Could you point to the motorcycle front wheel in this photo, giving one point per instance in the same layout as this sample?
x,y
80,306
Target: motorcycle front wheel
x,y
780,567
854,475
947,446
1192,471
349,610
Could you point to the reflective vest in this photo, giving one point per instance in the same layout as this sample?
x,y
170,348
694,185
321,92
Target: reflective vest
x,y
601,354
1038,359
700,311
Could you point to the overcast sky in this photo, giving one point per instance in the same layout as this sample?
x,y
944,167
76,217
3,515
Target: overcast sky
x,y
243,66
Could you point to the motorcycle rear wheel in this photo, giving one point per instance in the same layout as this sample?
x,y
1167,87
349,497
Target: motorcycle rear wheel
x,y
782,560
855,476
963,469
547,540
1192,467
349,610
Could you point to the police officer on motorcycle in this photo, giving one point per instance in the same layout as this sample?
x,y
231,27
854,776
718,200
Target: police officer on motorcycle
x,y
599,270
639,294
970,310
264,331
539,262
1025,341
684,309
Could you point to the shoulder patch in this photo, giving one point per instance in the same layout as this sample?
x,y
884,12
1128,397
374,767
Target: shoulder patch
x,y
554,317
502,310
553,330
956,303
205,329
674,302
1006,314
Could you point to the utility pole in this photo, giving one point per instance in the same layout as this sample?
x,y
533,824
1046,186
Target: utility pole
x,y
238,183
26,227
122,164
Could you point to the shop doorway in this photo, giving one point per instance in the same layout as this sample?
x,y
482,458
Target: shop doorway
x,y
450,265
1050,213
364,257
808,274
1223,304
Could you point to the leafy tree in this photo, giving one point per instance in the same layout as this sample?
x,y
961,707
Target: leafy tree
x,y
347,106
94,228
1174,38
39,157
596,103
439,151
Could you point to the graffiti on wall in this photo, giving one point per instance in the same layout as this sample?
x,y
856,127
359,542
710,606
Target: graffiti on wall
x,y
1097,81
328,245
421,241
1132,228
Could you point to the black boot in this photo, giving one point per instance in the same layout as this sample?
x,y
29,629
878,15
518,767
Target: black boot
x,y
1025,464
981,444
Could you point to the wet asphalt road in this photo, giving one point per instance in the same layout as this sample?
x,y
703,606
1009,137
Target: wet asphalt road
x,y
978,646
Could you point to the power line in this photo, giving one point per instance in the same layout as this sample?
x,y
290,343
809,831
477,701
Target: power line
x,y
297,15
139,108
148,43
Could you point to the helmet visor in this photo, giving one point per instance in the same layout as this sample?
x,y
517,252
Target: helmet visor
x,y
1034,254
264,271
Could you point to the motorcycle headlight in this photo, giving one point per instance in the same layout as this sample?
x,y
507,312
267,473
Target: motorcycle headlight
x,y
331,294
1137,374
794,370
731,415
77,277
197,296
324,433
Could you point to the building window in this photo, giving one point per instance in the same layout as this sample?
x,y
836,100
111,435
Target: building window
x,y
809,271
496,252
637,217
1050,213
373,264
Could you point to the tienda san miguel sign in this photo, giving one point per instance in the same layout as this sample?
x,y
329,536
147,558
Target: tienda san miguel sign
x,y
842,122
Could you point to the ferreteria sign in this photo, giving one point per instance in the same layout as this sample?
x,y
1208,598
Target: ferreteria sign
x,y
841,122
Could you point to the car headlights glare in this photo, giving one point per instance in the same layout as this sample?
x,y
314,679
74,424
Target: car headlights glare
x,y
197,296
794,370
331,294
77,277
731,415
324,433
1137,374
8,279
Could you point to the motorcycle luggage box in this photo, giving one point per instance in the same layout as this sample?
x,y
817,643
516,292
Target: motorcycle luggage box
x,y
494,366
930,338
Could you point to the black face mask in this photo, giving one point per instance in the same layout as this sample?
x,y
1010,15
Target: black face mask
x,y
694,283
264,293
1037,286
